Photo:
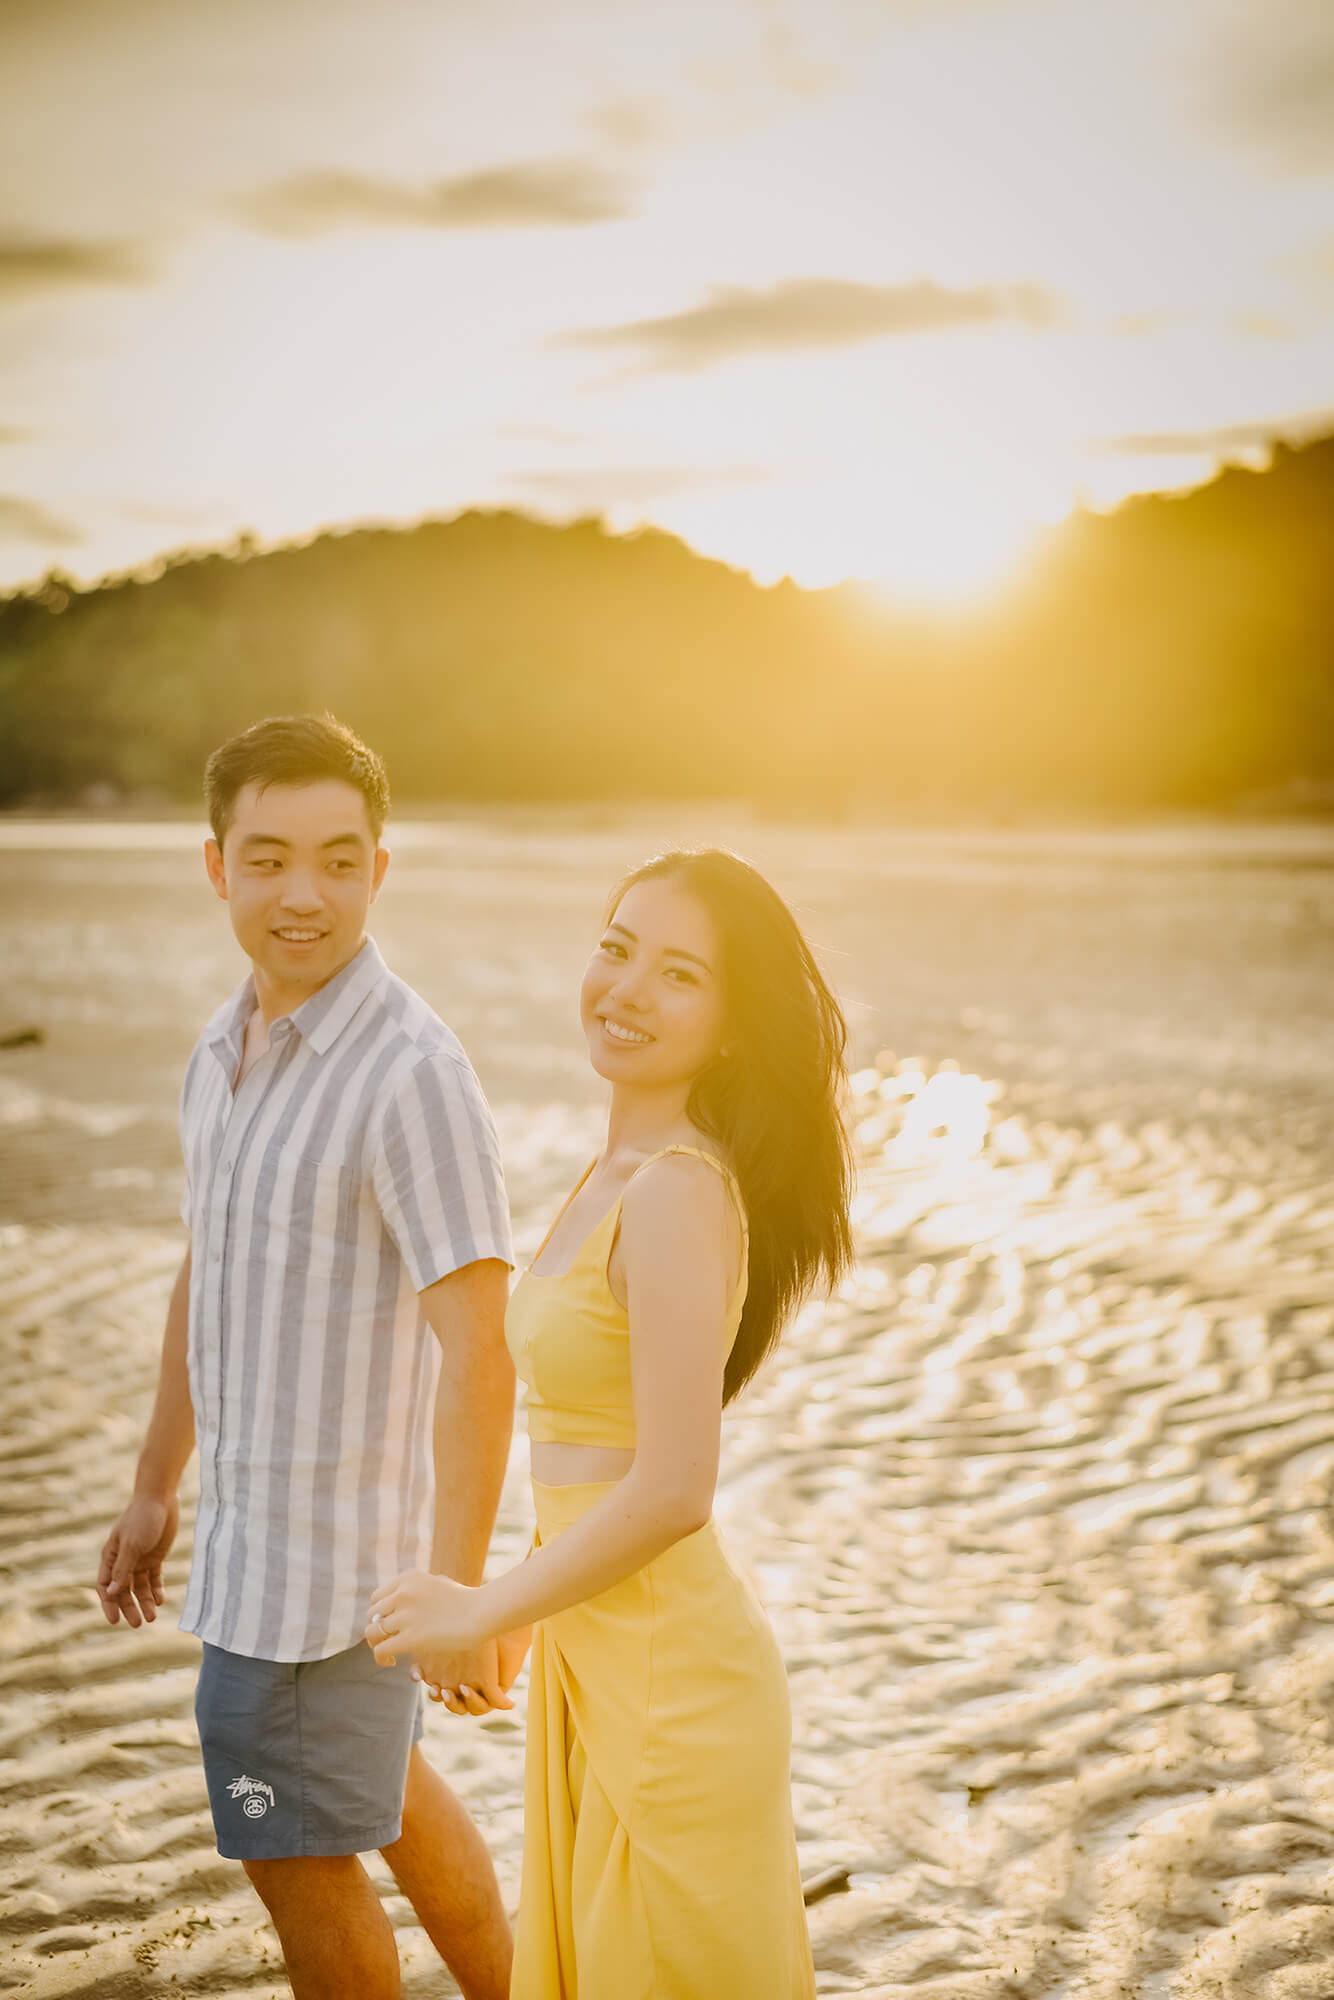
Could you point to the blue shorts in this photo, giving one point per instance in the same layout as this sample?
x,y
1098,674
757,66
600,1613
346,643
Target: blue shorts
x,y
305,1756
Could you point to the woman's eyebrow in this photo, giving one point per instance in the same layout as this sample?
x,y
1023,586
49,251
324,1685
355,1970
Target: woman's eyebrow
x,y
668,950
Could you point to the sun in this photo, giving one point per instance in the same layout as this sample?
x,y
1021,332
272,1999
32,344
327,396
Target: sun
x,y
948,529
954,555
935,538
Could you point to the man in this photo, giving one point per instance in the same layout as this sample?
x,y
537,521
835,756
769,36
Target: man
x,y
346,1276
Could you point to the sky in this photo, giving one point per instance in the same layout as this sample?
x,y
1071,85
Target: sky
x,y
828,287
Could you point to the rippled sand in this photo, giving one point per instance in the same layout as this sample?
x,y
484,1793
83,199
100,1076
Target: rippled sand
x,y
1040,1505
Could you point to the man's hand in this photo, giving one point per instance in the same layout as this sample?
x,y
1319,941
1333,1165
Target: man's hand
x,y
511,1652
129,1576
475,1676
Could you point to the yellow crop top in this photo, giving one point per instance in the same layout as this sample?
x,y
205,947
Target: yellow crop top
x,y
570,1338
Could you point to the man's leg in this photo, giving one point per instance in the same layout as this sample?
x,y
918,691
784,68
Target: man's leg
x,y
441,1864
336,1938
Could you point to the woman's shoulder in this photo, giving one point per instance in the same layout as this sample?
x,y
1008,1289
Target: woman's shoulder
x,y
683,1195
690,1177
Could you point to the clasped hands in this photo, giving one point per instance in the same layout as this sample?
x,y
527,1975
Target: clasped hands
x,y
435,1621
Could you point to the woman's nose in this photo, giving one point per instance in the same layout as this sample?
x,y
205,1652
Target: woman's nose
x,y
628,990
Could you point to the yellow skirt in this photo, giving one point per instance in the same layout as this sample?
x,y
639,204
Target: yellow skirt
x,y
659,1860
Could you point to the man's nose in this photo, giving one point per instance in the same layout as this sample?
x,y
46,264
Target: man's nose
x,y
301,891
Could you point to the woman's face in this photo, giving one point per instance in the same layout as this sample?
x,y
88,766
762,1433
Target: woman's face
x,y
651,1002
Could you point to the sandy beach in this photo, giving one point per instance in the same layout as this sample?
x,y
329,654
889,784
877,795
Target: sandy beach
x,y
1040,1504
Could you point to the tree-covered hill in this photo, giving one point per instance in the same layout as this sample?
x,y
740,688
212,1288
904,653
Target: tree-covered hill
x,y
1179,651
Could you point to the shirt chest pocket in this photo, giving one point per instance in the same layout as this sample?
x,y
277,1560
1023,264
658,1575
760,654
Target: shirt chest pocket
x,y
319,1209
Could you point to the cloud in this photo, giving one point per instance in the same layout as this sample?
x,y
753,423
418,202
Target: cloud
x,y
634,485
633,121
540,434
31,265
1226,437
29,521
802,315
1272,84
533,194
1313,268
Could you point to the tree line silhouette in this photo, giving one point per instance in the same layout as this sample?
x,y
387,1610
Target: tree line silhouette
x,y
1178,652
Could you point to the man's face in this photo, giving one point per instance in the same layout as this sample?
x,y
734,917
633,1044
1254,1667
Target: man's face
x,y
298,869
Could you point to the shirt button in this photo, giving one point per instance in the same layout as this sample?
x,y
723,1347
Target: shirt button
x,y
216,1257
226,1166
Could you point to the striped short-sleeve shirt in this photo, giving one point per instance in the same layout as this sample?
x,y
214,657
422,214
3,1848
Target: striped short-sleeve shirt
x,y
354,1165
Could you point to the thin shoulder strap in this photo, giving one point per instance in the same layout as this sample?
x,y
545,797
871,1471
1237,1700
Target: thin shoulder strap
x,y
698,1153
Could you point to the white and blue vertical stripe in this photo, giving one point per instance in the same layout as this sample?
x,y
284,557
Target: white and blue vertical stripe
x,y
356,1164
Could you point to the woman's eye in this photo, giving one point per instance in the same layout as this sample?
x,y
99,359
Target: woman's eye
x,y
612,948
679,972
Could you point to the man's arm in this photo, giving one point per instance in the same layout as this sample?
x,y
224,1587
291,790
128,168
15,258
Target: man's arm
x,y
129,1577
473,1430
678,1314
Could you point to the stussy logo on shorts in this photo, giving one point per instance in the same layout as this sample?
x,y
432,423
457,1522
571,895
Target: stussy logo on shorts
x,y
257,1795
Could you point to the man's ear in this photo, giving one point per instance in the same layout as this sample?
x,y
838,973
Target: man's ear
x,y
217,874
378,867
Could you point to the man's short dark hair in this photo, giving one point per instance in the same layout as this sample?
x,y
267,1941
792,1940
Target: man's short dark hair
x,y
293,750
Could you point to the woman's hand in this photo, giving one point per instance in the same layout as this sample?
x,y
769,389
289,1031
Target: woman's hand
x,y
437,1622
420,1614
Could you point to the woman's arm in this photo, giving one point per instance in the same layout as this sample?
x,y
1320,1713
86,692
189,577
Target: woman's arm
x,y
680,1245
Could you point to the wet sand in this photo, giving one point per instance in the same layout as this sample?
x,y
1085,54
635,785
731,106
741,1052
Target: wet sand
x,y
1041,1506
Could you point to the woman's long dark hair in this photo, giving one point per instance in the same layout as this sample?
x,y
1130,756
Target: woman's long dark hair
x,y
771,1101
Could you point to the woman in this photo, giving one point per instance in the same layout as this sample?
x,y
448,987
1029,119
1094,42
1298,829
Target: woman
x,y
659,1857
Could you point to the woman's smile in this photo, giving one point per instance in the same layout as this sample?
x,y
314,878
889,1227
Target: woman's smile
x,y
625,1037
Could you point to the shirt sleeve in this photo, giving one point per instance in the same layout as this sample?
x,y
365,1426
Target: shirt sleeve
x,y
437,1172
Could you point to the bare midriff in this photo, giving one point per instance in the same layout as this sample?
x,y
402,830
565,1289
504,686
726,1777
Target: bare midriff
x,y
578,1464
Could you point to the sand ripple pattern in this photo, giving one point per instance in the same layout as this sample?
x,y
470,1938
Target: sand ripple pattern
x,y
1040,1506
1058,1596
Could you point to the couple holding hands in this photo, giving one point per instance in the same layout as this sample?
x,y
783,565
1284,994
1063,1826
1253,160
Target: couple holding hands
x,y
341,1345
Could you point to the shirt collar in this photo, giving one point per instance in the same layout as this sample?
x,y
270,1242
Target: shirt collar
x,y
321,1019
225,1033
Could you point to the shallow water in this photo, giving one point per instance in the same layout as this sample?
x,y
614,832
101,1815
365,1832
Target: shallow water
x,y
1039,1505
